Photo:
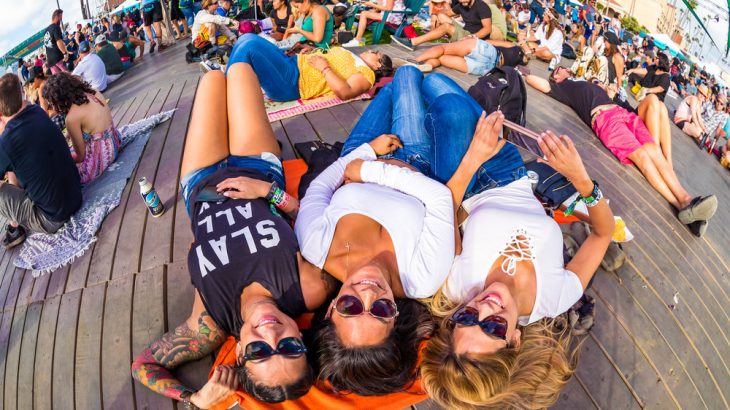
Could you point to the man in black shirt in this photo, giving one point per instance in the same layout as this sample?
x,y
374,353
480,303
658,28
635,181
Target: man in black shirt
x,y
53,41
653,79
477,23
627,137
33,151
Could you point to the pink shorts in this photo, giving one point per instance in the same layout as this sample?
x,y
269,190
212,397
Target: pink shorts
x,y
60,66
622,132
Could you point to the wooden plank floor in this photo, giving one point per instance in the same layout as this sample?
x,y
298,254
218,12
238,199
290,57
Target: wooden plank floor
x,y
67,338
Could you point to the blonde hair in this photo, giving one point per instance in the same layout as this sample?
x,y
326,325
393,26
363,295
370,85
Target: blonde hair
x,y
529,377
206,4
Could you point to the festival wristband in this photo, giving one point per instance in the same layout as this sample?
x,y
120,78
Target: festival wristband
x,y
592,200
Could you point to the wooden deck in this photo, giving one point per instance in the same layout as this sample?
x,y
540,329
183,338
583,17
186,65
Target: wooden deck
x,y
67,338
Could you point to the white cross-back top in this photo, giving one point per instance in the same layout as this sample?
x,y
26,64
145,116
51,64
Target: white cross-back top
x,y
501,222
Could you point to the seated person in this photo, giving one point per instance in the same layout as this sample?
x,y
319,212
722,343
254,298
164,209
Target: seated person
x,y
626,136
696,115
477,18
118,42
523,17
474,56
95,141
35,151
546,43
109,55
435,8
281,19
491,343
208,24
317,25
387,234
499,22
375,12
309,75
251,289
92,69
653,79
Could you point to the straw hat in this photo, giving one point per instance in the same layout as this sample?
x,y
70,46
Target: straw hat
x,y
702,89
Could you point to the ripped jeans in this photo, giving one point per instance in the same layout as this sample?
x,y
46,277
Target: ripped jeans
x,y
435,120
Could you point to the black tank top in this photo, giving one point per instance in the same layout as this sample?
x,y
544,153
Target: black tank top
x,y
611,71
281,24
238,242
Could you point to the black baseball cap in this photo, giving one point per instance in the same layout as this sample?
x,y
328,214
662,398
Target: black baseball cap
x,y
612,38
35,72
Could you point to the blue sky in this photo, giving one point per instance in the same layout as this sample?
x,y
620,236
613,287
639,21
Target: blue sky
x,y
20,19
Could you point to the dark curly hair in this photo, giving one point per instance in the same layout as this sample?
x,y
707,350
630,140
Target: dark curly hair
x,y
276,394
388,367
62,90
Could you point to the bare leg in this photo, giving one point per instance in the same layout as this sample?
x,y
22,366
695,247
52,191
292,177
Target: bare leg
x,y
366,16
544,54
207,140
454,62
148,33
176,28
250,132
186,28
643,161
138,44
158,32
667,173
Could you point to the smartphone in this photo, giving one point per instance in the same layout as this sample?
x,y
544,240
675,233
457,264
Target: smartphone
x,y
522,130
210,194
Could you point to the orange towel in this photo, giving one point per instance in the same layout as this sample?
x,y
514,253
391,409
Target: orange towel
x,y
316,398
293,171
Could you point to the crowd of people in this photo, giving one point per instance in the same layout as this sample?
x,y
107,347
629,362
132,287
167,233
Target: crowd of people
x,y
423,247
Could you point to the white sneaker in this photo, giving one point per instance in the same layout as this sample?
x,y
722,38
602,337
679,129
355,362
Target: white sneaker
x,y
354,43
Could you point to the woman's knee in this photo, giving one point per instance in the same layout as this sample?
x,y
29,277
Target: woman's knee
x,y
213,78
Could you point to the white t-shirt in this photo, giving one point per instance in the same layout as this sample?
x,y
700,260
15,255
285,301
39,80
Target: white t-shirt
x,y
92,69
417,212
496,217
523,18
554,43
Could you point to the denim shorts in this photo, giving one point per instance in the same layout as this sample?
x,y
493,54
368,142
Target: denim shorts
x,y
267,164
482,59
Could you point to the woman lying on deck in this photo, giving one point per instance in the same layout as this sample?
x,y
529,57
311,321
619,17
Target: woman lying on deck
x,y
249,277
491,349
95,141
474,56
310,75
628,139
388,234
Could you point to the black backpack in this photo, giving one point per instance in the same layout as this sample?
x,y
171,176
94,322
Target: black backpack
x,y
504,89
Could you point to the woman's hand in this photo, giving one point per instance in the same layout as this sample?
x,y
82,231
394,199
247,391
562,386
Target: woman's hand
x,y
560,153
486,142
318,62
293,30
386,144
221,385
244,188
352,171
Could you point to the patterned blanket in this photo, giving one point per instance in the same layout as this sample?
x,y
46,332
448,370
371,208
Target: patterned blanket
x,y
45,253
279,110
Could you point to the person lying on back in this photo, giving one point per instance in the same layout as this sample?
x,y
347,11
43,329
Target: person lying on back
x,y
34,149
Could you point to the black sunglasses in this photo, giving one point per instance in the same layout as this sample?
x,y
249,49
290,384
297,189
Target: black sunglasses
x,y
492,325
350,305
289,346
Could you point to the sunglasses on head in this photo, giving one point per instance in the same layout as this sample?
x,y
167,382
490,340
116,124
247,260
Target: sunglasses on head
x,y
492,325
259,350
350,305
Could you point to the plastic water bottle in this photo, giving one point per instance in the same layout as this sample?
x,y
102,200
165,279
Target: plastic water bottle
x,y
151,199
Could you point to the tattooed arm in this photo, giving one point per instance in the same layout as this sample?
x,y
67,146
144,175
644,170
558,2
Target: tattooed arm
x,y
195,338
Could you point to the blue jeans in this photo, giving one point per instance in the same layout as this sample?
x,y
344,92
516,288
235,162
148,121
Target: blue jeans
x,y
266,163
189,15
398,109
278,73
450,124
